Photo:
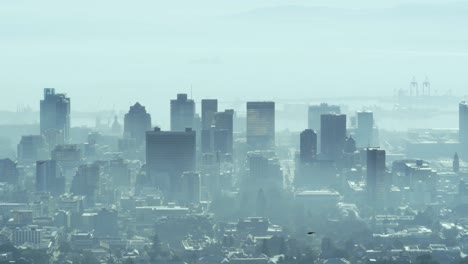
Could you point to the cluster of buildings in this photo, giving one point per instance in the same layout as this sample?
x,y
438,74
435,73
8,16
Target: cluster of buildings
x,y
208,191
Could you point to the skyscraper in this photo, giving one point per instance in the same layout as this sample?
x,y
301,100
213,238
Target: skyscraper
x,y
224,134
315,111
308,146
86,182
261,125
168,155
137,121
55,114
209,108
376,176
333,135
365,129
463,123
182,113
49,177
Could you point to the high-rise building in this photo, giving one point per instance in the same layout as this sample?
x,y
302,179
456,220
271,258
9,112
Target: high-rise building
x,y
209,108
32,148
182,113
376,176
168,155
8,171
137,121
333,135
190,187
119,172
365,129
55,114
308,146
86,182
261,125
315,111
49,177
463,123
224,131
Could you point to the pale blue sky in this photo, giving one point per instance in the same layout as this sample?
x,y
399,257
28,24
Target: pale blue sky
x,y
112,53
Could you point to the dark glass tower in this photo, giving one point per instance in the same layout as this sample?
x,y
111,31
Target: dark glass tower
x,y
168,155
333,135
308,146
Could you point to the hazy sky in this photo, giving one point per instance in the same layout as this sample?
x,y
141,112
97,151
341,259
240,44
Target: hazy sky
x,y
106,53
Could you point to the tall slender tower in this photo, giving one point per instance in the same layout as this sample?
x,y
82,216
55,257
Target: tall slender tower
x,y
308,146
209,107
376,181
333,135
365,129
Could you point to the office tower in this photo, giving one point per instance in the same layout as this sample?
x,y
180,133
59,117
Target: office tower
x,y
168,155
136,122
463,123
209,107
308,146
365,129
261,125
49,177
55,114
224,131
8,171
315,111
376,176
32,148
190,188
182,113
86,182
119,172
333,135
